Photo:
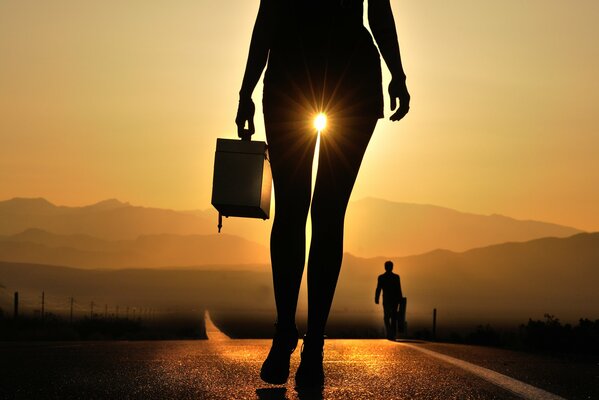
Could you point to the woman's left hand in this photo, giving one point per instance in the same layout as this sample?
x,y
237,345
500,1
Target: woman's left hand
x,y
399,90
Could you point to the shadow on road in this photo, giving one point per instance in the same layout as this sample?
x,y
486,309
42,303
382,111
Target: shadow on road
x,y
408,341
278,393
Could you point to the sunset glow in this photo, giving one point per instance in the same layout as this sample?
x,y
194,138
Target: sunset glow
x,y
111,100
178,176
416,180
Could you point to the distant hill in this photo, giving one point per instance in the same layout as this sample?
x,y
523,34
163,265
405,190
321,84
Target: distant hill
x,y
374,227
502,284
38,246
506,282
110,219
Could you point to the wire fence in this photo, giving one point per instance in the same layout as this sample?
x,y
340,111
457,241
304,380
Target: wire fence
x,y
43,305
47,305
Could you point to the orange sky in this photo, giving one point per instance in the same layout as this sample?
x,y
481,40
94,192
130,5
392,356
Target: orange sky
x,y
126,98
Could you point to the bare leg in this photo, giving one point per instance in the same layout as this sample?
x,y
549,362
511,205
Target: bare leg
x,y
291,149
342,148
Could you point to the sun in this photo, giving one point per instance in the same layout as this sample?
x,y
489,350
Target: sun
x,y
320,122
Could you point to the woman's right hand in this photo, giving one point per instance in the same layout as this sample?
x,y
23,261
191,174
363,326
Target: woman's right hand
x,y
245,113
399,90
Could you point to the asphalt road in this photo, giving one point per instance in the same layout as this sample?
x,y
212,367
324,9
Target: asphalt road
x,y
356,369
228,369
221,368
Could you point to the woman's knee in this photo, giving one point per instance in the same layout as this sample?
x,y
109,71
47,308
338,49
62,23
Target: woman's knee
x,y
292,212
330,208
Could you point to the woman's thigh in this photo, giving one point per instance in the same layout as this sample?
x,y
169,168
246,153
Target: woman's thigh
x,y
291,145
342,148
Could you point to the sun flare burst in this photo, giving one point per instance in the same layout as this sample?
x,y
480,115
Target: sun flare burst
x,y
320,122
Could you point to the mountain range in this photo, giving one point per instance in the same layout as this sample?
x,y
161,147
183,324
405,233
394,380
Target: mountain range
x,y
378,227
472,268
374,227
110,219
502,284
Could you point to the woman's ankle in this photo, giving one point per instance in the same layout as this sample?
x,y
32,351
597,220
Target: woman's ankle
x,y
313,343
285,325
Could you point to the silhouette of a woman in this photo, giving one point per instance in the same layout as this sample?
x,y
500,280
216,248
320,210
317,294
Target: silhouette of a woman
x,y
321,59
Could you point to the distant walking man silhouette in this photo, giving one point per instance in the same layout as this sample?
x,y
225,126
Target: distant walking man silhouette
x,y
390,284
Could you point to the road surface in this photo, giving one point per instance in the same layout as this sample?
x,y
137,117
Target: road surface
x,y
221,368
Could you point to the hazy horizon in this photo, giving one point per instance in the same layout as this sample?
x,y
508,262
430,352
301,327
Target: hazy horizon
x,y
488,280
465,287
209,208
119,234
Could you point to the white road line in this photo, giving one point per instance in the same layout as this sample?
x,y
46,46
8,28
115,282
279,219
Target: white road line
x,y
515,386
212,330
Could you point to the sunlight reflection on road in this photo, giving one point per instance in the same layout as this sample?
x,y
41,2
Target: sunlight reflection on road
x,y
378,361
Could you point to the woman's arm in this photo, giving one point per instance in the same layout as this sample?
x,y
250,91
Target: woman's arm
x,y
257,57
380,18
